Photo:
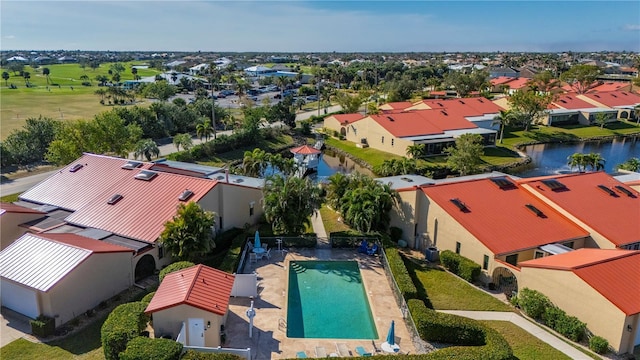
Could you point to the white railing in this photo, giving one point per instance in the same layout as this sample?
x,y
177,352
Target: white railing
x,y
244,353
182,335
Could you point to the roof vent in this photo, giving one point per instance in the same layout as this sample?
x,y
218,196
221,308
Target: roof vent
x,y
146,175
220,177
114,199
76,167
440,104
607,190
185,195
238,180
614,95
460,205
625,191
130,165
480,100
569,97
623,93
406,179
596,95
535,210
444,112
503,183
554,185
461,102
562,101
390,118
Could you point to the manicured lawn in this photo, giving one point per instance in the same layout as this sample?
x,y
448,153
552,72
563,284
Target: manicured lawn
x,y
371,156
514,137
525,346
448,292
238,154
330,220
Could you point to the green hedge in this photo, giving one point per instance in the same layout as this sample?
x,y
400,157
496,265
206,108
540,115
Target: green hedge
x,y
174,267
538,306
144,348
479,341
224,240
195,355
400,273
43,326
232,259
460,265
599,344
124,323
147,298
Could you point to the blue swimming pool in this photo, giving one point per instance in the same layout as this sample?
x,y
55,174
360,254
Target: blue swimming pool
x,y
327,300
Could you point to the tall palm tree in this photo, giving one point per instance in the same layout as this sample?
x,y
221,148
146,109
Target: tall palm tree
x,y
282,82
289,203
255,162
182,140
146,148
576,160
504,118
595,161
204,129
416,151
134,71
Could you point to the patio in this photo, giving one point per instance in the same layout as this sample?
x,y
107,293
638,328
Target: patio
x,y
269,339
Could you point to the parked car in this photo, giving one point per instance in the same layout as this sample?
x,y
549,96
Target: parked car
x,y
312,98
221,95
277,96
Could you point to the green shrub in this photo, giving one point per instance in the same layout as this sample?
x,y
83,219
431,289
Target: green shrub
x,y
195,355
43,326
124,323
395,233
232,259
460,265
147,298
552,316
224,240
570,327
143,348
599,344
533,303
400,273
174,267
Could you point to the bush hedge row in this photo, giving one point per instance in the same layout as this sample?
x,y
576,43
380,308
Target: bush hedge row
x,y
43,326
144,348
179,265
124,323
208,149
232,259
598,344
195,355
538,306
147,298
400,273
479,341
460,265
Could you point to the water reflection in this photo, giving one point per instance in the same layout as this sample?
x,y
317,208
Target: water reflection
x,y
548,159
331,163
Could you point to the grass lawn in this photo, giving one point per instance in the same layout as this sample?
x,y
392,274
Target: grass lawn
x,y
238,154
448,292
525,346
330,220
372,156
569,133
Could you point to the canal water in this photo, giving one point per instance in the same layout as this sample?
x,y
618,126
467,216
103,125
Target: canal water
x,y
331,163
549,159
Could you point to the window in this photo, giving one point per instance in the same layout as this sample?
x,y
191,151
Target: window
x,y
160,251
457,248
251,204
485,263
383,139
220,222
569,244
392,142
538,255
512,259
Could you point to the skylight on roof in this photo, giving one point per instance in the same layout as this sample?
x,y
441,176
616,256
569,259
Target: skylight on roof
x,y
130,165
535,210
503,183
238,180
186,194
607,190
406,179
554,185
459,204
146,175
76,167
625,191
114,199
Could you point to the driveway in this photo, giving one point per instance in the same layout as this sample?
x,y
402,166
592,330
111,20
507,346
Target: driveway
x,y
13,326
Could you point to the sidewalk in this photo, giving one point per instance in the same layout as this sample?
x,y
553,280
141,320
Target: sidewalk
x,y
524,324
318,228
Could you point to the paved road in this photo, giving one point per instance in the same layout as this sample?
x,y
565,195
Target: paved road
x,y
526,325
22,184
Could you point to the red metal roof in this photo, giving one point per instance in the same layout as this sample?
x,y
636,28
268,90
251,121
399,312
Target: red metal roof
x,y
610,86
399,105
614,217
615,98
199,286
95,246
13,208
500,219
72,190
612,273
145,205
475,106
305,150
570,101
501,80
348,118
422,122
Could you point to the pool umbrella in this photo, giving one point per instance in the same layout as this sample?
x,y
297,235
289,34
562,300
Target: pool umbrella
x,y
391,336
256,242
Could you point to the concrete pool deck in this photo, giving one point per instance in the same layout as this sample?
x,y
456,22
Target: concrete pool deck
x,y
269,339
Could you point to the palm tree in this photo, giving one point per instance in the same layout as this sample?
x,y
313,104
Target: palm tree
x,y
134,71
255,162
595,161
504,118
576,160
632,164
601,119
242,86
5,76
101,92
46,72
416,151
188,235
146,148
289,203
174,77
282,82
182,140
204,129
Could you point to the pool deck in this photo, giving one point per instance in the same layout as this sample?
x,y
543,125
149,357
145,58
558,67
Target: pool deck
x,y
269,340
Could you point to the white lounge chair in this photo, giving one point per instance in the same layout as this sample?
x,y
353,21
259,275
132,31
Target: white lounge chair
x,y
343,350
268,254
253,258
321,352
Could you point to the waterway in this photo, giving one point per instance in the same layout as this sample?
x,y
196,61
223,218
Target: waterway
x,y
331,163
549,159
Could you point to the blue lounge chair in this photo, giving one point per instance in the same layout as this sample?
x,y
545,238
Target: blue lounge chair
x,y
301,355
373,250
362,352
364,247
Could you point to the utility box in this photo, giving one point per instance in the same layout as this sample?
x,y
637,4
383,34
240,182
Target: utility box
x,y
432,254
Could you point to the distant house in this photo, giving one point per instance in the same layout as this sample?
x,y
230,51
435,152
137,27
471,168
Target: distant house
x,y
67,59
258,70
191,305
62,275
599,287
17,59
503,71
11,216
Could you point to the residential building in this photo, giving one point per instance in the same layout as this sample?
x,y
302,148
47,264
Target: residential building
x,y
11,216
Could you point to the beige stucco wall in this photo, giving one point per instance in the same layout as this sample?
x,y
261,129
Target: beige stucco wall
x,y
403,215
9,229
169,322
577,298
98,278
232,203
332,123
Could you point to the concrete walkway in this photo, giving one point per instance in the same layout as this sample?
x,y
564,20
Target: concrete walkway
x,y
318,228
528,326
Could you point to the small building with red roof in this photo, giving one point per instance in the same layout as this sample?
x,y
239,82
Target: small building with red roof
x,y
623,101
571,109
62,275
599,287
496,223
192,304
615,222
11,215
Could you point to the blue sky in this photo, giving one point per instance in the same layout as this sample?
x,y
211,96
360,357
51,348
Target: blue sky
x,y
320,26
